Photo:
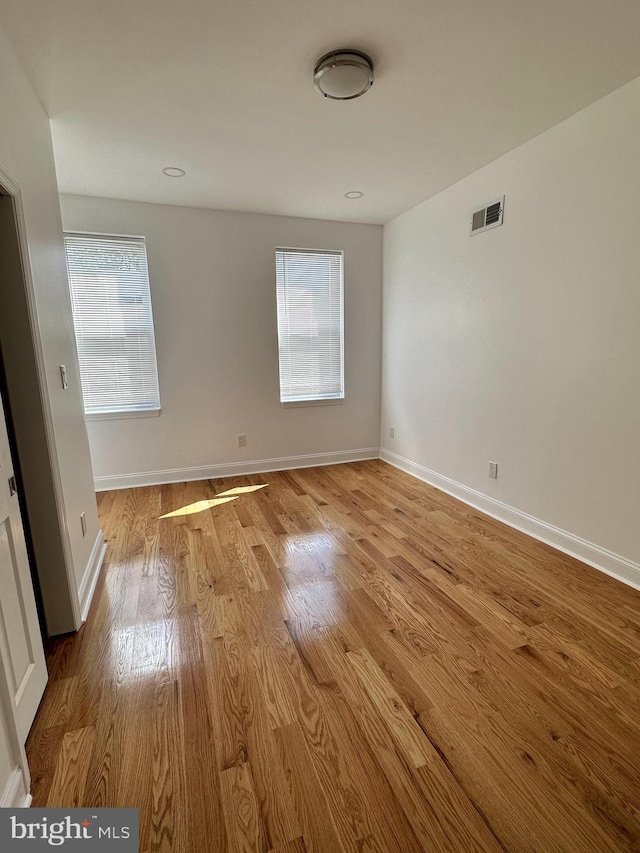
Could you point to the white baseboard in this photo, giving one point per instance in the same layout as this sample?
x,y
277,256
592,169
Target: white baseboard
x,y
90,577
232,469
14,795
600,558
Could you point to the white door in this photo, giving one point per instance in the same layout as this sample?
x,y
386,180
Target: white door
x,y
21,649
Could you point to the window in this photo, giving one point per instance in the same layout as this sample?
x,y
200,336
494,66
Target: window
x,y
309,287
113,322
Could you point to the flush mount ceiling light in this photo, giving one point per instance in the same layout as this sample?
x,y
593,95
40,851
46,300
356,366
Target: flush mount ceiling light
x,y
343,74
353,194
173,172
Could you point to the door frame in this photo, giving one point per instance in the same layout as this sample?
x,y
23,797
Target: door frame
x,y
17,790
10,187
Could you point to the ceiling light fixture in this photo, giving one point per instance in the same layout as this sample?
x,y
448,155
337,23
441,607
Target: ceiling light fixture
x,y
343,74
353,194
173,172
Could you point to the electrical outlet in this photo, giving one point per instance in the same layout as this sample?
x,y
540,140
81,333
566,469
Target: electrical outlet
x,y
242,441
83,524
493,470
392,432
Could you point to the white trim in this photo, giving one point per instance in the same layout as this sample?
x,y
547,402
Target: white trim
x,y
118,415
90,577
232,469
315,401
103,234
14,795
600,558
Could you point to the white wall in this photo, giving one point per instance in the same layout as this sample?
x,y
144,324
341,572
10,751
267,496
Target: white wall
x,y
521,345
26,156
212,279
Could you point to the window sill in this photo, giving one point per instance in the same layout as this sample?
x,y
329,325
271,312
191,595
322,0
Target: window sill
x,y
295,404
113,416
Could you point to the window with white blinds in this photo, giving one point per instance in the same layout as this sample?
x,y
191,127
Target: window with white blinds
x,y
111,303
309,287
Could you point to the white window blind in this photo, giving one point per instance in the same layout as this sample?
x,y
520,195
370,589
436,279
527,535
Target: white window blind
x,y
111,303
309,286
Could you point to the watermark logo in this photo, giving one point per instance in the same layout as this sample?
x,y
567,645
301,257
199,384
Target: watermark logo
x,y
86,830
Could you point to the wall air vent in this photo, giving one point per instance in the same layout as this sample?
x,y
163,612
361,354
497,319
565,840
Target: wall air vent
x,y
488,216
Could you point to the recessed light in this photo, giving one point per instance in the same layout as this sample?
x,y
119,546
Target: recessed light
x,y
354,194
173,172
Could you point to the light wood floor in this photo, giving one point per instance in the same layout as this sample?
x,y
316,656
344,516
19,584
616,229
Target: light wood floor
x,y
344,660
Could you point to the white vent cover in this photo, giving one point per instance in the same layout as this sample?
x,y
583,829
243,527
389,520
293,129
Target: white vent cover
x,y
489,216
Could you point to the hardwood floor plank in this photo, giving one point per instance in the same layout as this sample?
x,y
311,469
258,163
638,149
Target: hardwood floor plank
x,y
337,774
276,807
203,814
242,816
391,828
43,749
295,846
309,800
277,688
69,778
226,712
397,717
167,784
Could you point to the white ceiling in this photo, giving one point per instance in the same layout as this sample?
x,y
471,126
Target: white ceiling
x,y
224,89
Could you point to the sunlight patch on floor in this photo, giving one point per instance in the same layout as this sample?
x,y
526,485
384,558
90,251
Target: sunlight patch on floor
x,y
242,490
198,506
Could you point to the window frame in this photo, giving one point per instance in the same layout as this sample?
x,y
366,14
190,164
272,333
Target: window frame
x,y
313,401
116,413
